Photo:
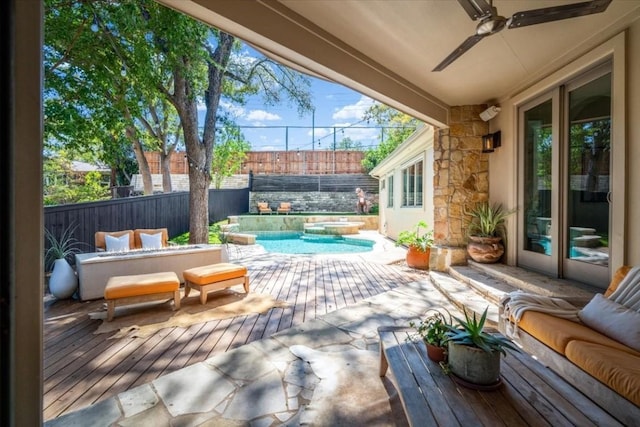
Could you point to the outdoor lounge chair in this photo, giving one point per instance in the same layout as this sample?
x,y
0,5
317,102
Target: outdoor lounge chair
x,y
285,208
263,207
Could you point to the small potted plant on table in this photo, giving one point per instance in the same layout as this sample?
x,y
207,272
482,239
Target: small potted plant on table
x,y
473,353
419,245
432,329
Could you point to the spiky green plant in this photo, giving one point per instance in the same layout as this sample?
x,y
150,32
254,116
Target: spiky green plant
x,y
487,220
62,247
470,331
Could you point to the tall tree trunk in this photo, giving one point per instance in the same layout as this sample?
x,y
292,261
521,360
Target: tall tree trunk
x,y
200,152
165,167
143,165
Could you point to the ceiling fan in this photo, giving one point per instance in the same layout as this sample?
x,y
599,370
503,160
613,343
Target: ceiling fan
x,y
491,22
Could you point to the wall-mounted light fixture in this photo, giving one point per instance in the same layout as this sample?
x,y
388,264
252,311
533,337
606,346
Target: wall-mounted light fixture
x,y
490,113
490,142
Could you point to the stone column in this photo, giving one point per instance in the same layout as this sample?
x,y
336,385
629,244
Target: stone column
x,y
461,179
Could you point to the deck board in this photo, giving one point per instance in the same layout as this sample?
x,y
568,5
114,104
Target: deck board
x,y
82,368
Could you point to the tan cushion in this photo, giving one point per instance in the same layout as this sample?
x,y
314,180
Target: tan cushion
x,y
138,241
557,333
619,370
612,319
141,284
616,279
214,273
100,238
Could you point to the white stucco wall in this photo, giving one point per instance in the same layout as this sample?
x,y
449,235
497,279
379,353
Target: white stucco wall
x,y
393,220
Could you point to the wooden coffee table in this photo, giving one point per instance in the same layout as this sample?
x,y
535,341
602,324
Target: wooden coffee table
x,y
530,394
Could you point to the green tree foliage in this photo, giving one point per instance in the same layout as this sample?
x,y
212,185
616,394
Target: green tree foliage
x,y
228,154
62,185
348,144
402,125
142,52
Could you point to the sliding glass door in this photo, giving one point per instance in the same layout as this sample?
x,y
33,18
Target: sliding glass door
x,y
565,164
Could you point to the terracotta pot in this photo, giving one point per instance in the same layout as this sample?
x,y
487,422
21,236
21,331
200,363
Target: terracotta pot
x,y
416,258
435,353
485,250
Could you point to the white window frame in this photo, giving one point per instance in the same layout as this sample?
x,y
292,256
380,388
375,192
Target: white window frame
x,y
418,181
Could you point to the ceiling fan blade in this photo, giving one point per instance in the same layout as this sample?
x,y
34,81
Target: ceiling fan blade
x,y
457,53
476,9
557,13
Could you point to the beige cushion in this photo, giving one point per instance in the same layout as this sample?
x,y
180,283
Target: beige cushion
x,y
616,279
613,320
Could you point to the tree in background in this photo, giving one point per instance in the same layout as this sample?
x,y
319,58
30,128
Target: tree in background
x,y
401,126
348,144
110,61
228,154
62,184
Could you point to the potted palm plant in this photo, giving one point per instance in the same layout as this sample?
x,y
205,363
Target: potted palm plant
x,y
474,354
433,329
419,245
486,231
63,281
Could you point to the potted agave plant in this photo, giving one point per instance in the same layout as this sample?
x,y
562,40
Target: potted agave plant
x,y
474,354
433,329
419,245
63,281
485,231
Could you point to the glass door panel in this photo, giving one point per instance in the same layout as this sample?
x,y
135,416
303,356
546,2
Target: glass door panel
x,y
538,245
586,234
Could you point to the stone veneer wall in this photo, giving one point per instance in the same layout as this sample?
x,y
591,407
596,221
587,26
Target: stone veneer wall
x,y
309,201
461,179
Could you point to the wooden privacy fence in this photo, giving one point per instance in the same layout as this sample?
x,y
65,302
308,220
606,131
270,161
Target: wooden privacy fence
x,y
169,211
304,162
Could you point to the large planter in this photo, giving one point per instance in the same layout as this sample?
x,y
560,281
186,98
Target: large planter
x,y
474,365
485,250
416,258
63,281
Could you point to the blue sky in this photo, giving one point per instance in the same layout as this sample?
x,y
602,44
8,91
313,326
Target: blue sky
x,y
335,106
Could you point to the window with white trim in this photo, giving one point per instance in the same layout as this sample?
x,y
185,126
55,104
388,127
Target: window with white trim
x,y
412,185
390,191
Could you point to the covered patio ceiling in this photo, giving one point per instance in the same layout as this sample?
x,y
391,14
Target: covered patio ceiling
x,y
387,49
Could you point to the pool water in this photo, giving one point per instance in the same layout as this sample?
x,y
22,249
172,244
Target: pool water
x,y
288,242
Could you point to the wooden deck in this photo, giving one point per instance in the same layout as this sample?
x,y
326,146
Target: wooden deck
x,y
81,368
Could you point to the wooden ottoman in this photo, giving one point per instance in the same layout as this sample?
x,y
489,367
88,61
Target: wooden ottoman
x,y
123,290
214,277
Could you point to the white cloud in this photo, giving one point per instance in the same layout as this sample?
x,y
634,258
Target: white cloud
x,y
234,110
260,115
320,132
354,111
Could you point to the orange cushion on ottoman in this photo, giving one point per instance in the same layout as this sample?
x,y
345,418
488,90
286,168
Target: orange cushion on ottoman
x,y
213,277
214,273
122,290
141,284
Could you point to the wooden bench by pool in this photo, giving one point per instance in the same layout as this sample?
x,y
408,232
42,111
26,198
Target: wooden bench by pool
x,y
214,277
124,290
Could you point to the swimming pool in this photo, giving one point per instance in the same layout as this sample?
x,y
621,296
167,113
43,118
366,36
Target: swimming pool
x,y
291,242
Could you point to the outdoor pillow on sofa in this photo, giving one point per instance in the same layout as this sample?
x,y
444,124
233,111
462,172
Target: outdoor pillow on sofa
x,y
151,241
139,243
117,244
100,238
613,320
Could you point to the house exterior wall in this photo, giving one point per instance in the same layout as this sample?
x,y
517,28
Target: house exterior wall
x,y
393,220
626,142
